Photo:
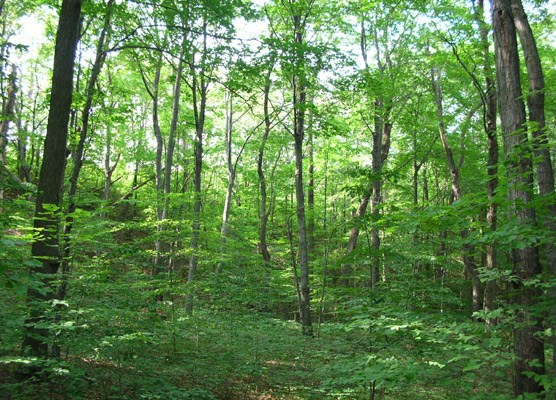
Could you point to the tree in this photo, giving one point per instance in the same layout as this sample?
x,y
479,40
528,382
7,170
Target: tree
x,y
45,248
529,349
298,13
78,152
489,103
541,149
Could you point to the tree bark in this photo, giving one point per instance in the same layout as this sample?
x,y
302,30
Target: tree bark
x,y
545,171
264,212
231,181
199,90
488,98
45,249
8,113
153,91
528,346
381,146
468,250
169,161
299,111
78,153
109,169
311,189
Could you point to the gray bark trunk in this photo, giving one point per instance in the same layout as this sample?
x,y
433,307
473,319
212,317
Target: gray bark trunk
x,y
545,171
108,168
231,182
299,105
527,344
264,213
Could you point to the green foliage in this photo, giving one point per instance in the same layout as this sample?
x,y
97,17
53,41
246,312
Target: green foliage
x,y
122,330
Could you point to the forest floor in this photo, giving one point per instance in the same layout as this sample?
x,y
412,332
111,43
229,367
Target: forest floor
x,y
117,343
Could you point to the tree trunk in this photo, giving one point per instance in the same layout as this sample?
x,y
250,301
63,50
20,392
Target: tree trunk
x,y
23,169
299,108
311,190
199,91
8,112
468,250
153,92
162,244
545,171
77,154
45,249
109,169
381,146
169,161
529,348
264,213
301,228
232,173
231,181
488,97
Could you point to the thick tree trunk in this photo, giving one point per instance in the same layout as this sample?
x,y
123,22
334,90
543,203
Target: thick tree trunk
x,y
529,348
46,248
545,171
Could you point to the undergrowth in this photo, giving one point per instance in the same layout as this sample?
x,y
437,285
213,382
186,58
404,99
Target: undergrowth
x,y
118,341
